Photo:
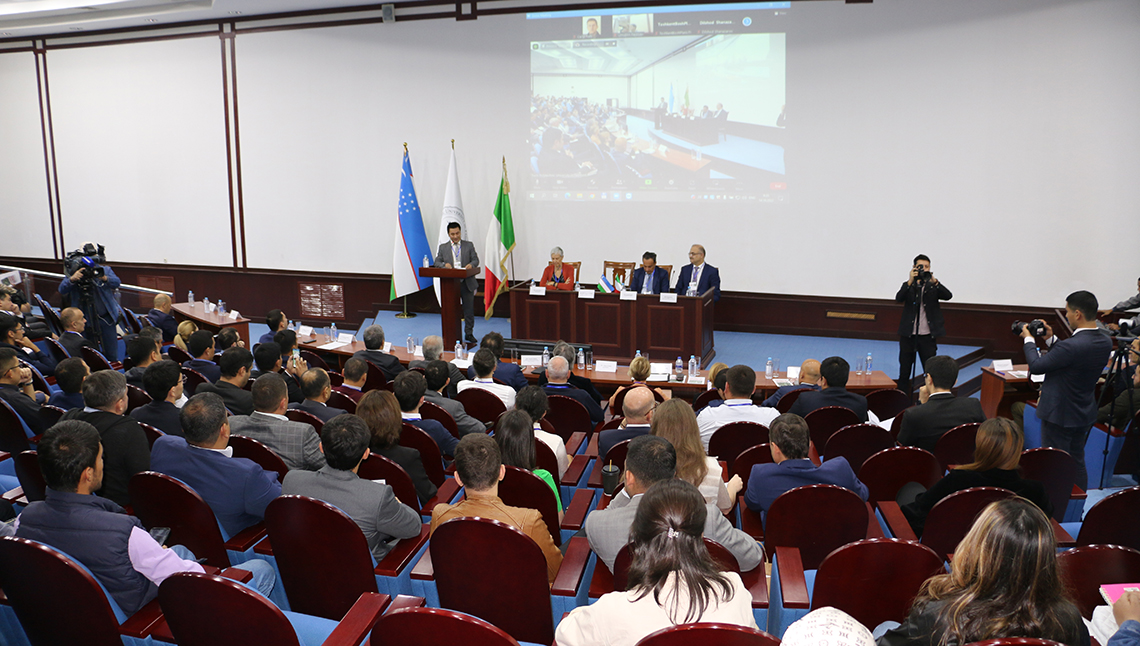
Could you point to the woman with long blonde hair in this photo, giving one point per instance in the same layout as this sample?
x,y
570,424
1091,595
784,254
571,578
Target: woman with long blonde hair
x,y
675,421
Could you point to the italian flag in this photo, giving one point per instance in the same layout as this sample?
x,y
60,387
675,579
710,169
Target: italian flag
x,y
500,244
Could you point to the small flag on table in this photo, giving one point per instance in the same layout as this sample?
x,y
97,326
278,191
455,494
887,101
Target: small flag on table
x,y
605,286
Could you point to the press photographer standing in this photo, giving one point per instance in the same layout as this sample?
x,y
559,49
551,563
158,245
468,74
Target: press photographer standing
x,y
91,284
921,323
1067,406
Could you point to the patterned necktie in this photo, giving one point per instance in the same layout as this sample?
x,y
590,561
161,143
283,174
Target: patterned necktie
x,y
455,250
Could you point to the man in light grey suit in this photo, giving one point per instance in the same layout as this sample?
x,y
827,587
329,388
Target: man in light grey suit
x,y
460,253
296,443
371,505
433,350
436,373
652,459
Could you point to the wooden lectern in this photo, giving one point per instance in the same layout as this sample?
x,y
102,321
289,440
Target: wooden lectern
x,y
451,310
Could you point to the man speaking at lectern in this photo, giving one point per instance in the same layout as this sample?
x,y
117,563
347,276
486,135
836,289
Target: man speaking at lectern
x,y
460,254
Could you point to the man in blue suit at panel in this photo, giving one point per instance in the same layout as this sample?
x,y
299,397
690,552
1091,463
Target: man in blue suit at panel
x,y
1067,406
648,279
698,274
508,373
791,468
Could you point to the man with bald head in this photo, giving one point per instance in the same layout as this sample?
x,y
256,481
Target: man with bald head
x,y
72,339
637,407
161,318
697,277
809,380
317,387
558,376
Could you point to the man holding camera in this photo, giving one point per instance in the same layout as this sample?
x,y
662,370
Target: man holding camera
x,y
921,323
91,284
1067,406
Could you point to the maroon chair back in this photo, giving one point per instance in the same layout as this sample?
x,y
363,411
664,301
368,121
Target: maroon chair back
x,y
50,415
314,360
159,500
703,400
495,572
322,556
132,320
31,478
731,440
342,401
297,415
874,580
824,422
1016,641
136,397
1113,521
375,379
709,634
178,355
1084,569
616,454
38,381
718,552
336,379
51,316
896,427
413,437
856,443
615,422
436,627
429,410
378,467
55,348
750,457
13,437
192,379
568,416
545,458
956,446
95,359
817,519
784,404
521,488
888,402
887,471
953,516
481,404
263,456
616,409
39,581
1055,469
151,433
236,615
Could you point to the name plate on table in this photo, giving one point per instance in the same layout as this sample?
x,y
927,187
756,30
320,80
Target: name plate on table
x,y
628,295
345,338
780,383
210,308
387,347
304,330
1002,365
696,381
462,364
535,290
605,366
234,315
793,373
585,293
531,360
419,352
668,297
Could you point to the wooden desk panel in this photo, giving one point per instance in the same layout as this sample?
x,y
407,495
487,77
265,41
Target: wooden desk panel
x,y
1000,391
211,321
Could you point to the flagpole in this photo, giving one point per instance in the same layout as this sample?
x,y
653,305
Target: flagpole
x,y
405,314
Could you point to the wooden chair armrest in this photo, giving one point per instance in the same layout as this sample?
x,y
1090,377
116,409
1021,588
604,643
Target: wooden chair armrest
x,y
577,439
756,580
237,574
592,447
4,455
142,623
574,472
401,555
874,529
750,521
35,439
897,523
423,570
814,455
1063,538
604,501
602,582
247,538
405,601
793,586
576,511
15,495
359,620
1078,493
573,567
443,495
263,547
595,480
724,473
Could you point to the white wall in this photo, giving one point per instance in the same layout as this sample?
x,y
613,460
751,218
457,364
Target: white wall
x,y
24,208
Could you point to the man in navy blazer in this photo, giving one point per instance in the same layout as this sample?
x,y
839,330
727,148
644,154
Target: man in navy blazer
x,y
509,373
236,489
833,373
201,347
317,386
707,276
558,373
648,278
161,318
791,468
1067,406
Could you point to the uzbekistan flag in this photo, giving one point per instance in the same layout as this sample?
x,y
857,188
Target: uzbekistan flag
x,y
605,286
500,244
411,245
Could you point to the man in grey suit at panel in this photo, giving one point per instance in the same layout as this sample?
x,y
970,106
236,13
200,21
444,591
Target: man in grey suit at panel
x,y
296,443
371,505
460,253
652,459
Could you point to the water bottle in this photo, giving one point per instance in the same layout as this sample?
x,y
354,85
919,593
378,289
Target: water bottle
x,y
221,307
581,359
190,297
638,354
768,369
694,367
206,303
458,350
411,345
680,368
427,261
332,332
576,285
868,367
545,356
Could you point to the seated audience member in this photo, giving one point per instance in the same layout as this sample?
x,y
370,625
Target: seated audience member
x,y
1122,409
808,380
268,360
161,318
355,373
433,351
479,468
74,322
638,372
317,387
16,389
437,375
652,459
125,448
237,489
637,407
374,353
277,321
534,402
509,373
676,422
833,373
227,338
296,443
558,372
515,434
409,389
381,412
484,363
737,407
940,410
1126,611
1003,582
790,468
69,376
371,505
142,351
581,382
12,336
182,339
154,334
672,578
717,379
235,366
997,458
162,380
201,347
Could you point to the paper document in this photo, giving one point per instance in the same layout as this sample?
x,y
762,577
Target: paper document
x,y
1017,374
462,364
331,345
783,382
658,376
387,346
304,330
793,373
419,352
696,381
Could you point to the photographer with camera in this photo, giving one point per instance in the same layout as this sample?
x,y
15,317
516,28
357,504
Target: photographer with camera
x,y
921,323
1067,406
91,284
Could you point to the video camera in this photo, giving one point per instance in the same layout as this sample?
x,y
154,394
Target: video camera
x,y
1129,327
1036,327
923,274
90,259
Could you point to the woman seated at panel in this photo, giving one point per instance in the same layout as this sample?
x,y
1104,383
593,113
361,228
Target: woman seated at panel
x,y
557,275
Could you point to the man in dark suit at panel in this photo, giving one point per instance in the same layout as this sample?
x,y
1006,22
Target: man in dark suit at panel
x,y
1067,406
459,253
558,372
373,336
833,373
162,380
921,322
648,278
72,339
296,443
507,372
317,388
235,365
201,347
161,318
940,410
698,276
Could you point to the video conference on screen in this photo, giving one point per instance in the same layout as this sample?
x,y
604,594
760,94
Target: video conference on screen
x,y
678,104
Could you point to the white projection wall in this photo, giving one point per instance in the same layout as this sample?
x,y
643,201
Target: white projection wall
x,y
24,207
